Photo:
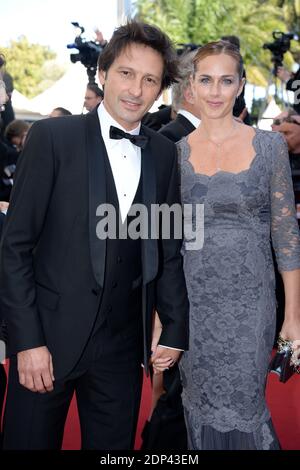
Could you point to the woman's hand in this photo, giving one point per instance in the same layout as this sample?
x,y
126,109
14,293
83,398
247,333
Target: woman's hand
x,y
291,331
162,358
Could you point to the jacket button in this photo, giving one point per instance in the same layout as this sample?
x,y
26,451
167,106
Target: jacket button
x,y
119,260
115,284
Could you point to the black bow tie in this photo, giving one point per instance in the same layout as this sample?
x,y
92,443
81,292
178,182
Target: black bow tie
x,y
139,140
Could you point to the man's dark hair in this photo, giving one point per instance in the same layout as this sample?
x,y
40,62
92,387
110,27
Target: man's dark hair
x,y
94,87
63,111
135,32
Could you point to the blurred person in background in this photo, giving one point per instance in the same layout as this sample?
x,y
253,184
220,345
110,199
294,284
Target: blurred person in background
x,y
187,115
93,96
57,112
159,118
288,123
292,82
7,114
16,132
8,154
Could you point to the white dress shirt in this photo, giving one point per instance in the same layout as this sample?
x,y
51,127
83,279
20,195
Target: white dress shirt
x,y
191,117
125,161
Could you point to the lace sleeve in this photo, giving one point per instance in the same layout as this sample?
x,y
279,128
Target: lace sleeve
x,y
284,225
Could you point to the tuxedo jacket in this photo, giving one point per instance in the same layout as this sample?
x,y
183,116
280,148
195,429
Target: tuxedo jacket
x,y
52,262
178,128
2,332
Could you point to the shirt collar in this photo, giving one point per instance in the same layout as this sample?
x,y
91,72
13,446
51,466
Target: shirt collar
x,y
106,120
191,117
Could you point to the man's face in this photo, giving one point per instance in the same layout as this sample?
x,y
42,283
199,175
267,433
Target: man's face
x,y
291,133
91,100
3,95
132,84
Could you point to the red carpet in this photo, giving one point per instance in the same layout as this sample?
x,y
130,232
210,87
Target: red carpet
x,y
283,401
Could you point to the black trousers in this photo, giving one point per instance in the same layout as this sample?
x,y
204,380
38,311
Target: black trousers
x,y
107,382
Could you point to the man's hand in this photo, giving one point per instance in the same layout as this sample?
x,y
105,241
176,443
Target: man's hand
x,y
3,206
291,133
36,369
164,358
99,37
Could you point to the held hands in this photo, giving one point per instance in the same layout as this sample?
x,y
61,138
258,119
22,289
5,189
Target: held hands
x,y
162,358
36,369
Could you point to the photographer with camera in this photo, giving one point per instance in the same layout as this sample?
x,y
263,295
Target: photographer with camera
x,y
288,124
6,111
8,154
93,96
292,81
281,45
88,51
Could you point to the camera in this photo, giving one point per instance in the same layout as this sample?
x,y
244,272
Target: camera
x,y
281,44
186,47
88,54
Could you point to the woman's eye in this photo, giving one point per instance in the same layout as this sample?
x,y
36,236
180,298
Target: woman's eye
x,y
204,80
227,81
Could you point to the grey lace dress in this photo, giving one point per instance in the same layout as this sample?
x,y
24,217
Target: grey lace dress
x,y
231,290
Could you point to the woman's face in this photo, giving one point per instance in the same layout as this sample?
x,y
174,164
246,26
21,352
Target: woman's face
x,y
216,85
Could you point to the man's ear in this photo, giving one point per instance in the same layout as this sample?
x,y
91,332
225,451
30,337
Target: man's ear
x,y
189,95
102,77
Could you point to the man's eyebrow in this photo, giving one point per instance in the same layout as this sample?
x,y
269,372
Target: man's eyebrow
x,y
149,74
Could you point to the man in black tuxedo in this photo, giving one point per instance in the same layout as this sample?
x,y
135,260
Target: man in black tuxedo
x,y
188,116
79,306
2,341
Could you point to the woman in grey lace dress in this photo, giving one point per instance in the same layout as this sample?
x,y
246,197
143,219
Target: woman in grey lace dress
x,y
242,177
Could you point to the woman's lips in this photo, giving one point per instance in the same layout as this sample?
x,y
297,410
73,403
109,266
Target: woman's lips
x,y
215,104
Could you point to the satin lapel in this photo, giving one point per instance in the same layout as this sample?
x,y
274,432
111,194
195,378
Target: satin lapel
x,y
149,246
97,192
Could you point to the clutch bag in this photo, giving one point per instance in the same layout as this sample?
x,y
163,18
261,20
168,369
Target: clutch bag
x,y
283,363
